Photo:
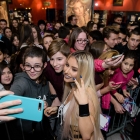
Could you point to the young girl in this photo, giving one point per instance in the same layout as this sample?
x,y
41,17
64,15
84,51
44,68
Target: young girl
x,y
6,76
15,43
26,36
120,76
100,50
15,27
7,33
42,27
79,92
91,26
47,41
58,53
123,75
32,83
36,36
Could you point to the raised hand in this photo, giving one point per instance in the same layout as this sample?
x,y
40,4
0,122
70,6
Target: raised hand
x,y
80,92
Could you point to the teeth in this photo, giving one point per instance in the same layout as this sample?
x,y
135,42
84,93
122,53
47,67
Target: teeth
x,y
68,77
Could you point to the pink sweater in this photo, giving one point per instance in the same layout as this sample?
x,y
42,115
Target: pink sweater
x,y
117,77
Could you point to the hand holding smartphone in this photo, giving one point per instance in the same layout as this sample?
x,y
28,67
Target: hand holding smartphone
x,y
118,83
32,108
116,56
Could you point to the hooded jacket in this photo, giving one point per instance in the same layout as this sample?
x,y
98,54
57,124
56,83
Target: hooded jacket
x,y
24,86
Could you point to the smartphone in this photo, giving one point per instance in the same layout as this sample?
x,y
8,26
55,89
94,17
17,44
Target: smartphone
x,y
118,83
116,56
32,108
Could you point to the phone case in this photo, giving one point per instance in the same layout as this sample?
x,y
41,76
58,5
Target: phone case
x,y
32,108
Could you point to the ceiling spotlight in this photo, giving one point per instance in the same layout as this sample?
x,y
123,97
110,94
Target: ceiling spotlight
x,y
96,4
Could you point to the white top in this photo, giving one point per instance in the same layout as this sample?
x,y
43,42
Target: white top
x,y
65,108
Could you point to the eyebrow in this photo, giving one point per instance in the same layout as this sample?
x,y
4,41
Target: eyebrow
x,y
71,66
34,64
74,67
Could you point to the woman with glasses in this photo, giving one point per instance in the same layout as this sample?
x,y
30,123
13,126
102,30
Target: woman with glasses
x,y
78,40
32,83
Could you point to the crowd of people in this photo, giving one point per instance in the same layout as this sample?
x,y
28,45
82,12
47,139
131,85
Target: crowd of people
x,y
77,71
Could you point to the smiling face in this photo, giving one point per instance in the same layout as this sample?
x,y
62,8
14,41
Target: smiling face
x,y
58,62
81,41
6,77
127,65
37,63
70,69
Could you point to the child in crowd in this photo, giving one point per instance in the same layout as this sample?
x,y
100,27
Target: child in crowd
x,y
120,76
6,76
36,37
123,74
15,43
47,41
42,27
32,83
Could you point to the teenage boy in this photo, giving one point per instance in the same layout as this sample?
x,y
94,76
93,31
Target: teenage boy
x,y
133,40
72,22
110,35
3,24
122,36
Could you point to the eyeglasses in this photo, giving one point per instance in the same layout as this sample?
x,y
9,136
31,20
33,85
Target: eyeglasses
x,y
80,41
36,68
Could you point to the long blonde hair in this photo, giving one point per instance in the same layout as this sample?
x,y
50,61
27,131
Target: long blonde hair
x,y
86,69
103,56
70,6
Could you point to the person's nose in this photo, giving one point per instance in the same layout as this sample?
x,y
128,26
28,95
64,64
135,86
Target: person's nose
x,y
54,63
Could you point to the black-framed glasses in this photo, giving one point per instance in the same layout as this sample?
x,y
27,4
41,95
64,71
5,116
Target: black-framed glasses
x,y
36,68
80,41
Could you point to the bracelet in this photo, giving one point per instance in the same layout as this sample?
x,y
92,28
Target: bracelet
x,y
98,93
84,110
